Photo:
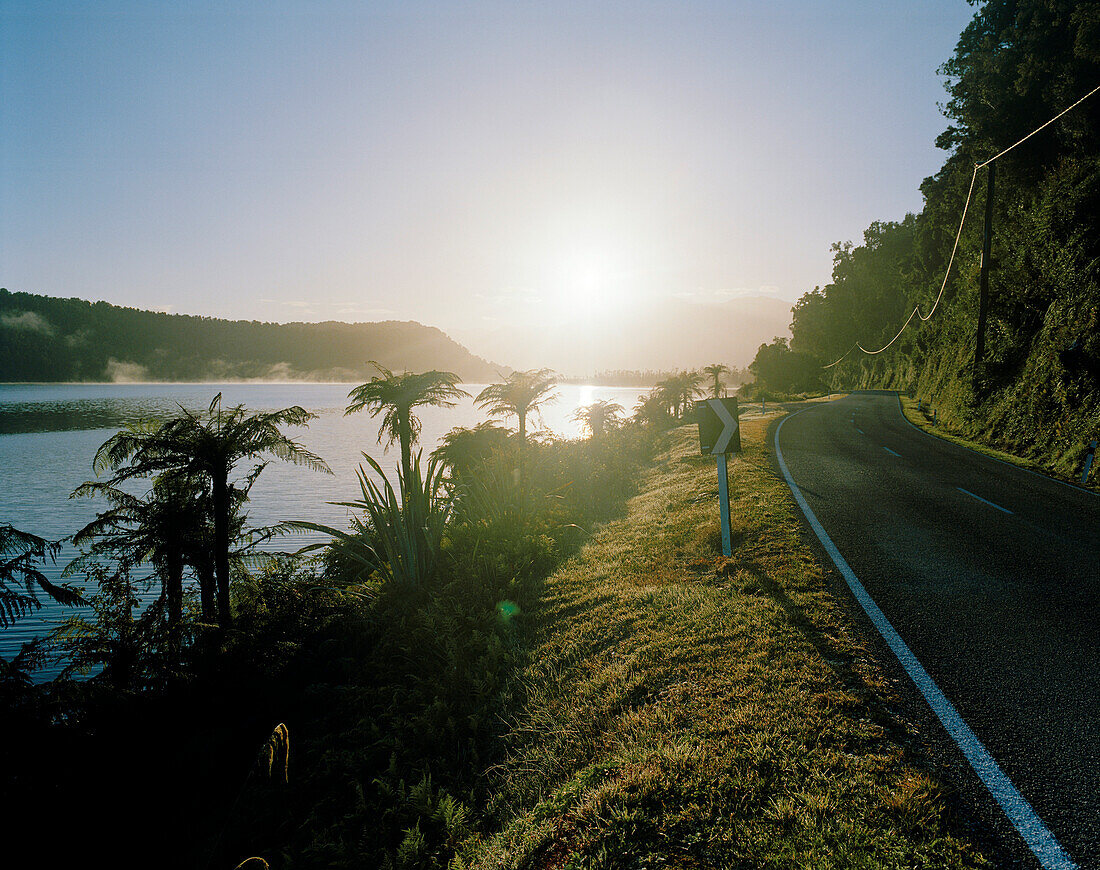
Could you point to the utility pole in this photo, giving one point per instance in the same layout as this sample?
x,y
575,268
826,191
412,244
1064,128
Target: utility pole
x,y
983,282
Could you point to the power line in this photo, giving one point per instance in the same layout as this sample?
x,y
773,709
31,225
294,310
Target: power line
x,y
1037,129
954,247
958,235
848,351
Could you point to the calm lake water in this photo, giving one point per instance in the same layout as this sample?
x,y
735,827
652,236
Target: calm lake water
x,y
50,433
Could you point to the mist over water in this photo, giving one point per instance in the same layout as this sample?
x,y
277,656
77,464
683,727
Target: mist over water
x,y
49,435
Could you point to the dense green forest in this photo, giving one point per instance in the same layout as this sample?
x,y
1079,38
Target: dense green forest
x,y
48,339
1017,65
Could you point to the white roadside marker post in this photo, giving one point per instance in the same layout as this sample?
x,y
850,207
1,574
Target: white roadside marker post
x,y
724,505
719,435
1088,463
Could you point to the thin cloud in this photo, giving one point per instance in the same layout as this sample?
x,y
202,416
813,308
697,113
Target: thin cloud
x,y
726,294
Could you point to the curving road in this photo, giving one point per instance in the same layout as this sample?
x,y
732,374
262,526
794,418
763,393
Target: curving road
x,y
990,576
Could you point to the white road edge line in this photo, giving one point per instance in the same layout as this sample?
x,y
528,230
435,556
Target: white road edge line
x,y
1037,836
891,452
983,500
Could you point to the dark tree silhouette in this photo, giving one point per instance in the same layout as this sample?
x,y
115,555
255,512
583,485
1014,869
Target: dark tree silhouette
x,y
779,368
157,529
678,391
600,417
518,395
652,408
463,450
208,446
20,555
396,396
716,370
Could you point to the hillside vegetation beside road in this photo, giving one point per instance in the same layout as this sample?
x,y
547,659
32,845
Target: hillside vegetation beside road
x,y
1017,65
48,339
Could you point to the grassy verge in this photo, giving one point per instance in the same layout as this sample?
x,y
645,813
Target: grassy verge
x,y
921,417
679,709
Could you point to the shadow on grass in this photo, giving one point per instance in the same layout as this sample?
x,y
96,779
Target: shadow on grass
x,y
842,663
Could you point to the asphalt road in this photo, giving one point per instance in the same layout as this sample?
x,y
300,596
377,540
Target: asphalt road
x,y
991,576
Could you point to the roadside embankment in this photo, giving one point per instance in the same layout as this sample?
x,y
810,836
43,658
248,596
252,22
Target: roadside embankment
x,y
681,709
1067,467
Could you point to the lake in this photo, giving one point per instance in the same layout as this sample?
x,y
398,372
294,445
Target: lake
x,y
49,434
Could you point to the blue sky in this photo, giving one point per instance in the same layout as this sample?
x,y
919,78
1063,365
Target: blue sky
x,y
470,165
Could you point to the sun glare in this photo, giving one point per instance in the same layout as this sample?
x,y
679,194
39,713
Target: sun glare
x,y
586,285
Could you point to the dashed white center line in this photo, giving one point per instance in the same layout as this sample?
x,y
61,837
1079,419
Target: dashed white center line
x,y
891,452
983,500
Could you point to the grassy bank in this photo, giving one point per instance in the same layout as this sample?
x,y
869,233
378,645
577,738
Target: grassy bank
x,y
678,709
921,415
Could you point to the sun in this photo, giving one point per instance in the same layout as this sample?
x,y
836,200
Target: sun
x,y
586,284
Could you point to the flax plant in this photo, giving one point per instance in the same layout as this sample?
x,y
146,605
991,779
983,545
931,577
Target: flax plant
x,y
397,539
274,758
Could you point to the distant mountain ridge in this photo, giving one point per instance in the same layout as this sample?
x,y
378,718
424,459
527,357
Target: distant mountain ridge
x,y
43,338
666,334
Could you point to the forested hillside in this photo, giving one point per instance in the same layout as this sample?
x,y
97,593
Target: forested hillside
x,y
47,339
1017,65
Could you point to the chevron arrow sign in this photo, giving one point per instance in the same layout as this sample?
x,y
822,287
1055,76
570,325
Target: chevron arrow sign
x,y
718,429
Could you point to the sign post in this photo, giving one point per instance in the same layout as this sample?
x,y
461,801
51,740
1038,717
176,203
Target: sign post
x,y
719,435
724,505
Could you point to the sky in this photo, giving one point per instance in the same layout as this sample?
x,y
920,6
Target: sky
x,y
479,166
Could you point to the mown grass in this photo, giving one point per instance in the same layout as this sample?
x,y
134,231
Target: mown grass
x,y
922,418
680,709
